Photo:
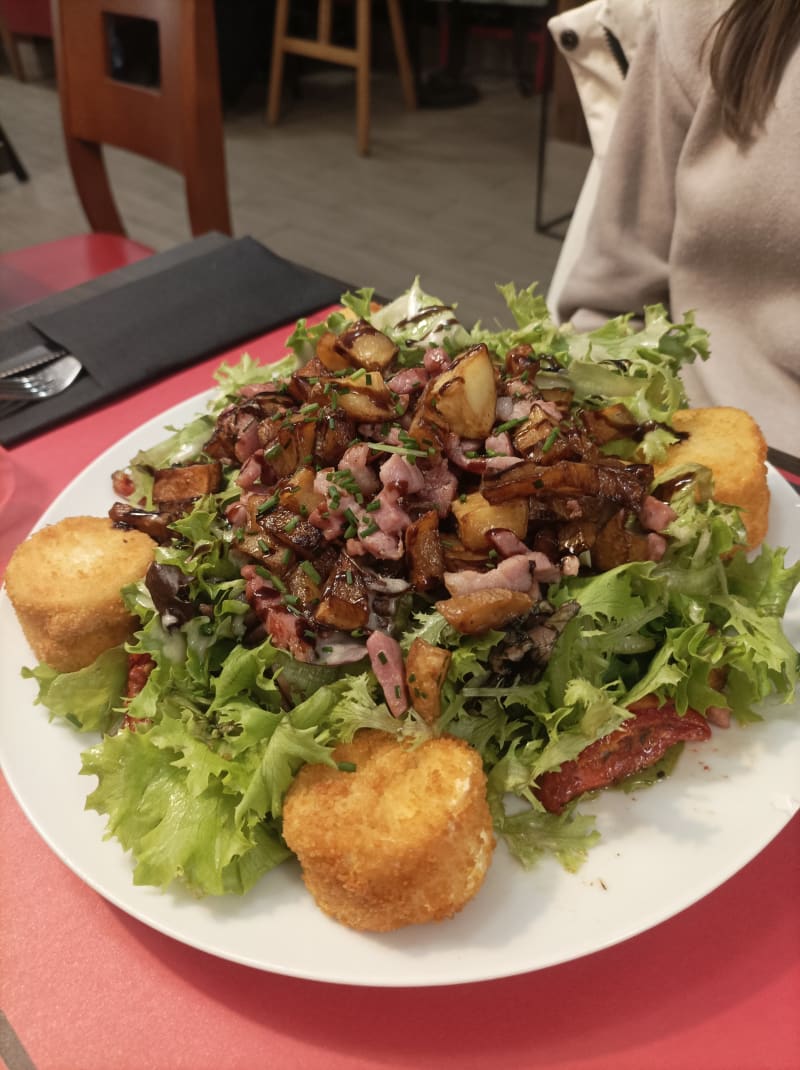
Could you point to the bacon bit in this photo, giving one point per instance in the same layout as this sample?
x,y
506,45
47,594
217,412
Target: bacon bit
x,y
656,515
386,660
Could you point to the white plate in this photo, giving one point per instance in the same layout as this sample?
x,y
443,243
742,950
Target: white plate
x,y
661,850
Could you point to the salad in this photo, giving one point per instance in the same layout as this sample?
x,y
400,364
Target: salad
x,y
411,526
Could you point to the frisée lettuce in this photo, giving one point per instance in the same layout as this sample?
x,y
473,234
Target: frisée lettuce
x,y
220,728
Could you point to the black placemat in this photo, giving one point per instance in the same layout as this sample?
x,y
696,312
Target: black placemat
x,y
160,314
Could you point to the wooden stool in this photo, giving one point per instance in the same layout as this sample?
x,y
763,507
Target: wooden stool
x,y
358,57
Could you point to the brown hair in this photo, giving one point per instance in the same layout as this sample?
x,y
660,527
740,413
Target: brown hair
x,y
752,43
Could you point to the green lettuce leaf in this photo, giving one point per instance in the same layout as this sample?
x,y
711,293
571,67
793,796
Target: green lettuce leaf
x,y
88,698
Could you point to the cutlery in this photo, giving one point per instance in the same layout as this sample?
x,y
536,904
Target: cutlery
x,y
40,382
32,358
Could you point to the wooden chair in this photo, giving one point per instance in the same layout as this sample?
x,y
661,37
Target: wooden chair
x,y
358,57
177,123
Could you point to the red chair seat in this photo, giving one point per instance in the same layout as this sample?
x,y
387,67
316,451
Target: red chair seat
x,y
58,265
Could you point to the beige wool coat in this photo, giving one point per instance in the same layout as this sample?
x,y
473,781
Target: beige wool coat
x,y
686,217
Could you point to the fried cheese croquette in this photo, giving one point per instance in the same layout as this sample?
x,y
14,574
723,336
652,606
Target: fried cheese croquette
x,y
64,584
730,443
405,837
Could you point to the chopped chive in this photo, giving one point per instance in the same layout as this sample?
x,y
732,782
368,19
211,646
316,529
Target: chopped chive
x,y
346,767
263,546
368,380
309,457
404,450
286,556
292,524
331,423
382,657
350,531
349,577
327,649
369,529
462,498
548,442
313,406
373,506
273,451
278,584
308,634
509,425
357,633
291,599
267,504
399,408
311,572
397,690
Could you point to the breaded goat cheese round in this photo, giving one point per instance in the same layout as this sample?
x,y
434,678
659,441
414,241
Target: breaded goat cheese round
x,y
64,583
403,837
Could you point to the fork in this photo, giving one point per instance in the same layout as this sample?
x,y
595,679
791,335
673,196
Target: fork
x,y
42,382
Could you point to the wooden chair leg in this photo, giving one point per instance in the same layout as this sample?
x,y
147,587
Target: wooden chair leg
x,y
278,57
16,165
94,189
404,68
363,49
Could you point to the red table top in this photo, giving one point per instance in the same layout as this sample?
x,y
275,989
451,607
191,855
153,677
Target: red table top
x,y
84,986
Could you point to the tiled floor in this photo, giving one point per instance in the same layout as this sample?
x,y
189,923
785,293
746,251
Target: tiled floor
x,y
446,194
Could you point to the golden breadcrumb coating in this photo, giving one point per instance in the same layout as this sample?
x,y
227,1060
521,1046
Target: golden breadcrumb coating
x,y
730,443
405,838
64,583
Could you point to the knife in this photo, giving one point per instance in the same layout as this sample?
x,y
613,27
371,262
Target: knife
x,y
32,358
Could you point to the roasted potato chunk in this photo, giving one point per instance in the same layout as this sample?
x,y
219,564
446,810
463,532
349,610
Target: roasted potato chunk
x,y
426,669
299,495
483,610
463,399
183,482
424,552
364,397
344,604
328,354
365,346
475,517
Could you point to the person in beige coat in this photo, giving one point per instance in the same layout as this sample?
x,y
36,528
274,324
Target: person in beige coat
x,y
698,204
